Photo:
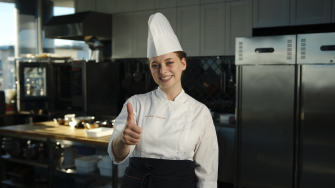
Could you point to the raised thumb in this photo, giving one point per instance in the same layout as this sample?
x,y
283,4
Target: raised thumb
x,y
130,117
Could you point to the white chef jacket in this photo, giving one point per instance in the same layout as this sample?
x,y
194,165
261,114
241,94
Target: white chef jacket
x,y
182,129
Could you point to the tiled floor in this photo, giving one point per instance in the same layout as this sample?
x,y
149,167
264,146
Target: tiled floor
x,y
225,185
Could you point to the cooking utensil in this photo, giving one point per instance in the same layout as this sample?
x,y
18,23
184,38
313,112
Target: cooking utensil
x,y
86,119
127,80
137,74
107,123
92,125
79,122
59,121
69,118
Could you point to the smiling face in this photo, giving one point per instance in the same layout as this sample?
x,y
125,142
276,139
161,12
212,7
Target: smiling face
x,y
167,70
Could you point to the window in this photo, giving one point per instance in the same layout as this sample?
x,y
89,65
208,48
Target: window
x,y
7,33
7,41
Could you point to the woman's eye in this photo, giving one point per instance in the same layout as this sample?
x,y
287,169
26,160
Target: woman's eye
x,y
170,63
154,66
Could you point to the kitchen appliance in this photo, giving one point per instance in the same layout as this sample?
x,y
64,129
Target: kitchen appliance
x,y
285,111
265,116
316,70
79,25
69,87
96,47
94,28
33,92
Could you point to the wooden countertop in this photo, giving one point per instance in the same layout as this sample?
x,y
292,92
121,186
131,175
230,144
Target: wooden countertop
x,y
50,130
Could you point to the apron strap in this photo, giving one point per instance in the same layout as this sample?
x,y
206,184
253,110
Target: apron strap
x,y
149,174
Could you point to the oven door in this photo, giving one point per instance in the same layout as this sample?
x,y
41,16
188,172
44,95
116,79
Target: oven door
x,y
34,86
61,87
34,80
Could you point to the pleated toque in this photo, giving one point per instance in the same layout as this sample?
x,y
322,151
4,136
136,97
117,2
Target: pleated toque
x,y
161,38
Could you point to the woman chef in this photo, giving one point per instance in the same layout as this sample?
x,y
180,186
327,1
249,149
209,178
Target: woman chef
x,y
169,136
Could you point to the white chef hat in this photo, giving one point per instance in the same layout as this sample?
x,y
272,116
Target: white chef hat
x,y
161,38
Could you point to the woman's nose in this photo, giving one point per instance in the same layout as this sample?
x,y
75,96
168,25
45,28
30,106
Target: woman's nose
x,y
163,69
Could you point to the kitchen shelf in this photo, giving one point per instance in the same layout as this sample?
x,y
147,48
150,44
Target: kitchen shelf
x,y
47,132
13,184
24,161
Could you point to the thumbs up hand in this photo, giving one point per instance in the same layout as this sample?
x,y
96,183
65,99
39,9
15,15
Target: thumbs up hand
x,y
132,132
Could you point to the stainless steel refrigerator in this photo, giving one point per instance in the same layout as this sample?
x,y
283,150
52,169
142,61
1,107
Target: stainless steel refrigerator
x,y
285,136
266,96
316,71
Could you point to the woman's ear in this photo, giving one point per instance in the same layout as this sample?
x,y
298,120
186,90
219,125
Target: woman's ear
x,y
183,62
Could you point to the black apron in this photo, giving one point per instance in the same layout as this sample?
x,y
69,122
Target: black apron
x,y
159,173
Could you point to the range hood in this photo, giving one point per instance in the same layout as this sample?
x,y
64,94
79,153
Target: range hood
x,y
77,26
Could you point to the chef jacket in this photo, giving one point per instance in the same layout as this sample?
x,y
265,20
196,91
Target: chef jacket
x,y
182,129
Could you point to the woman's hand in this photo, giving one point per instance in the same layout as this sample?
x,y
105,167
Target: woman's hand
x,y
132,132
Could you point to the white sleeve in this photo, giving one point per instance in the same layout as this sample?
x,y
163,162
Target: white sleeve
x,y
207,155
119,126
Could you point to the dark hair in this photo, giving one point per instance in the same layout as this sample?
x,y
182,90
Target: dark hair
x,y
180,54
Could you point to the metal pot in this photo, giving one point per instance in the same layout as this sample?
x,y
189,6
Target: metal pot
x,y
92,125
107,123
79,122
59,121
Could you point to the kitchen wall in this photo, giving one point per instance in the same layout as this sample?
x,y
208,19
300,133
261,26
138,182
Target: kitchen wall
x,y
204,27
206,30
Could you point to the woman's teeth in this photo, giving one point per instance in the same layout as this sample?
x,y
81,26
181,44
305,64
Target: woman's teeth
x,y
165,78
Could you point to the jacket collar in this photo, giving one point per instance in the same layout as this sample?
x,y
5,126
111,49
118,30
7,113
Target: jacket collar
x,y
161,95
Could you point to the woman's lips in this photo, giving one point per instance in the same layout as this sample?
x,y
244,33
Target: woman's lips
x,y
166,79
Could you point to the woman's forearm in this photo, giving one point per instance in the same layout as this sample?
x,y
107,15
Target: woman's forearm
x,y
119,148
129,136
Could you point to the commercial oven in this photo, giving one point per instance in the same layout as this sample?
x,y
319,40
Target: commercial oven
x,y
33,84
70,86
85,86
